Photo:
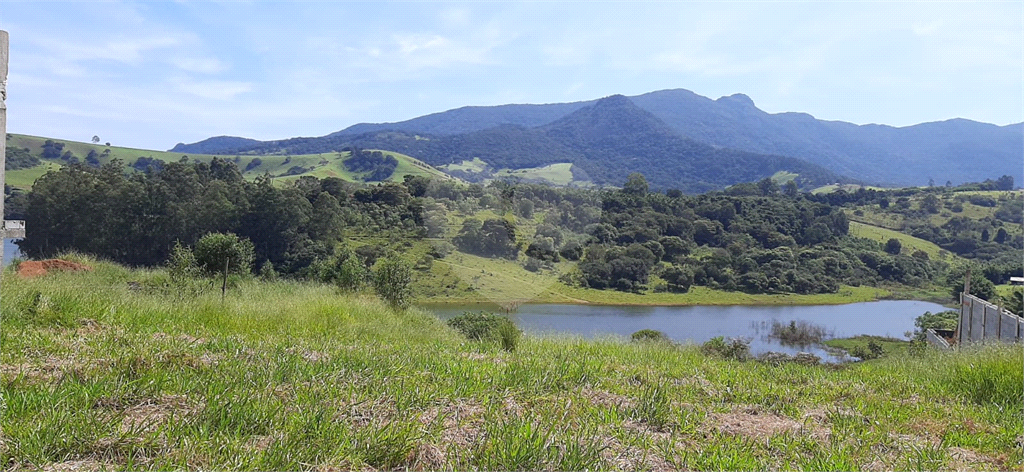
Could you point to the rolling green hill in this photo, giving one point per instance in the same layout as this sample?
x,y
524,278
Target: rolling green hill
x,y
286,167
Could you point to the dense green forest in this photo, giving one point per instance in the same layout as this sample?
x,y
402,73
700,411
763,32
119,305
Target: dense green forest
x,y
757,238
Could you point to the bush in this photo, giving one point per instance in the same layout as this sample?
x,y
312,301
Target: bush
x,y
942,320
872,351
267,272
650,335
214,250
798,334
734,348
391,280
487,327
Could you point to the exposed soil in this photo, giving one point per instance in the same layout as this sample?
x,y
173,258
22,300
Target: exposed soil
x,y
753,422
29,269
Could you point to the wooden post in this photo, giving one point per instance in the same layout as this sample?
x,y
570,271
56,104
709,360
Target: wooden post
x,y
224,284
967,283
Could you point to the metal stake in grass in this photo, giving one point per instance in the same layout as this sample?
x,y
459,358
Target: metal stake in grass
x,y
224,283
4,40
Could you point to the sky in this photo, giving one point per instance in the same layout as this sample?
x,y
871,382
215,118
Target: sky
x,y
152,74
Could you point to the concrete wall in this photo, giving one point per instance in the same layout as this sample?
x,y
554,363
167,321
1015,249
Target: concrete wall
x,y
935,340
982,321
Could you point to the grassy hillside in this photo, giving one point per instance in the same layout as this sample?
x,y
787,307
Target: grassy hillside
x,y
910,243
284,166
465,278
286,376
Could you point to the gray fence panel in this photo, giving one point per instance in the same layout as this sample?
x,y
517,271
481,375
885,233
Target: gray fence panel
x,y
1008,327
935,339
965,321
977,321
991,322
980,320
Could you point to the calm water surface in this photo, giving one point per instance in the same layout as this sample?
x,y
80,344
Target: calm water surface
x,y
11,251
697,324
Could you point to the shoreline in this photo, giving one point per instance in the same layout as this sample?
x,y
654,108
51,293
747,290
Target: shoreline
x,y
700,296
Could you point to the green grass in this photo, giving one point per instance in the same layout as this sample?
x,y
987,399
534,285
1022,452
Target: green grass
x,y
556,174
890,346
24,178
910,243
289,376
783,177
845,187
475,165
321,165
465,278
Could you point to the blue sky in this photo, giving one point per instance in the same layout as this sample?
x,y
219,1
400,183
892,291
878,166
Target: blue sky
x,y
152,74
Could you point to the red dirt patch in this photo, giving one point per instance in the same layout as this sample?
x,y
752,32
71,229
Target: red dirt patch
x,y
29,269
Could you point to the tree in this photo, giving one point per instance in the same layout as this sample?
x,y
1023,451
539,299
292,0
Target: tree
x,y
768,187
980,286
391,279
930,204
893,246
790,189
215,250
95,139
1015,301
1000,236
1004,183
635,185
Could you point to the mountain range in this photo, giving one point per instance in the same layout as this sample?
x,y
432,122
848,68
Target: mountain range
x,y
696,142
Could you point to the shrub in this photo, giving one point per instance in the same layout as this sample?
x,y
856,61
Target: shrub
x,y
734,348
942,320
267,272
214,250
800,333
650,335
391,281
484,326
872,351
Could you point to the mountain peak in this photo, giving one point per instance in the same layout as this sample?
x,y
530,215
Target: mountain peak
x,y
607,118
737,99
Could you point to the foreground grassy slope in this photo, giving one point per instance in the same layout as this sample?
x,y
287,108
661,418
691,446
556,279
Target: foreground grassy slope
x,y
285,167
285,376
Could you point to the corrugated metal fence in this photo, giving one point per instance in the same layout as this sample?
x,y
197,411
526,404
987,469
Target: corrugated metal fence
x,y
983,321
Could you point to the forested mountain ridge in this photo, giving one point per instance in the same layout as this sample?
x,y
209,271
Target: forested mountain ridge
x,y
957,150
604,141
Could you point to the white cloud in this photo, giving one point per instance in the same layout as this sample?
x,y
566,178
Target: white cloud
x,y
203,65
221,90
124,50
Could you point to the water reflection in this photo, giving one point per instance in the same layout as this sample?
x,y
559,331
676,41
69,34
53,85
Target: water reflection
x,y
698,324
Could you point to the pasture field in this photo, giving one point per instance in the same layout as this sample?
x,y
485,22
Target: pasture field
x,y
556,174
910,243
101,373
283,168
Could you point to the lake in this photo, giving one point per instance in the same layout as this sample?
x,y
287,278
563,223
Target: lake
x,y
697,324
11,251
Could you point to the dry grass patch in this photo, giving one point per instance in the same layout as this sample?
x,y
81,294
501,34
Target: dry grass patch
x,y
755,423
79,465
606,399
50,369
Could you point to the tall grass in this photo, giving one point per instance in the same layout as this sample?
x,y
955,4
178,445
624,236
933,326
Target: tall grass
x,y
294,376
